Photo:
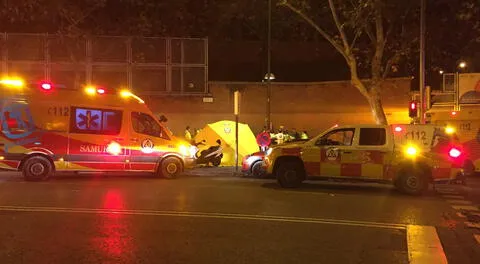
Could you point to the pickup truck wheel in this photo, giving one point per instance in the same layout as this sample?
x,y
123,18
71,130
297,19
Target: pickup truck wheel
x,y
290,174
411,181
170,168
37,168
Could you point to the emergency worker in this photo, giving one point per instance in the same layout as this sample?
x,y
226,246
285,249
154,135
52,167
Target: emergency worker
x,y
304,135
188,135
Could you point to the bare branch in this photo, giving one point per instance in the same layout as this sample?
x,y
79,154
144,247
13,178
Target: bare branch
x,y
357,35
380,43
322,32
343,36
388,65
369,32
75,21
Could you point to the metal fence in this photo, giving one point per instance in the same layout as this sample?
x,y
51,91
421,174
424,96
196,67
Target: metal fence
x,y
146,65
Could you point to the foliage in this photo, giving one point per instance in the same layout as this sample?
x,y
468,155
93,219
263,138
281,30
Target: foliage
x,y
453,27
373,36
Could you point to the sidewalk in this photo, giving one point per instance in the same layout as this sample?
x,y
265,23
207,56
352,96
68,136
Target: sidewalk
x,y
213,172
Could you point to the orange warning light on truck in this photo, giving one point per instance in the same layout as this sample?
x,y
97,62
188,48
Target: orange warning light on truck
x,y
47,128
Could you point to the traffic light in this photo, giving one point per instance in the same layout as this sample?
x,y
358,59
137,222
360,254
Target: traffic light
x,y
413,109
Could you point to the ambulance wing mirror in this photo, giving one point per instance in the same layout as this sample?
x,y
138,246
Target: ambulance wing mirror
x,y
163,119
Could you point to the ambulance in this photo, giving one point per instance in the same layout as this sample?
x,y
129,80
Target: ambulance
x,y
465,126
407,156
47,129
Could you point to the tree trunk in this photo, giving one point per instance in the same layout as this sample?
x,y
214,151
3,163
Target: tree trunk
x,y
370,92
376,106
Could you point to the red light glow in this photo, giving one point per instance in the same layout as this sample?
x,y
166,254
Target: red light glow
x,y
113,239
100,90
46,86
413,105
398,129
454,113
114,148
454,153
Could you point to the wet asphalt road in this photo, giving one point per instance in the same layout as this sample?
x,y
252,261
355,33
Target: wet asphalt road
x,y
219,219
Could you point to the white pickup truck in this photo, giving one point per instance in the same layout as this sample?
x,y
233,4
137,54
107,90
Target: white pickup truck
x,y
408,156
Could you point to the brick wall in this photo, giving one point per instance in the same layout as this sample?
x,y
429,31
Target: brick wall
x,y
304,106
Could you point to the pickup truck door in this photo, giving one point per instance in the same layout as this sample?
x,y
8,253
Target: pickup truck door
x,y
335,147
370,155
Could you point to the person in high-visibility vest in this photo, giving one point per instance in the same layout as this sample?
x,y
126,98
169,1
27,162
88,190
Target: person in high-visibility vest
x,y
188,135
304,135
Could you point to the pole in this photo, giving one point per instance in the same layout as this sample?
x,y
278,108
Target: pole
x,y
236,111
456,93
428,97
269,65
422,62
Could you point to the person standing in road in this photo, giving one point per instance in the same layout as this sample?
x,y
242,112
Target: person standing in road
x,y
188,135
280,136
304,135
295,135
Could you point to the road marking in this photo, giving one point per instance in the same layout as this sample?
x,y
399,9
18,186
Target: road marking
x,y
465,207
447,191
474,214
472,225
477,237
424,245
285,219
453,197
459,202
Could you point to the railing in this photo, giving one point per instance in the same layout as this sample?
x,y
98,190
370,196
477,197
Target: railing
x,y
146,65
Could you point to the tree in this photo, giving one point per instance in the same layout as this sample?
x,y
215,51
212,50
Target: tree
x,y
452,36
373,37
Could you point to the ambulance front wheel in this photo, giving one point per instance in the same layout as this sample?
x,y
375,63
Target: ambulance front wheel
x,y
37,168
171,167
290,174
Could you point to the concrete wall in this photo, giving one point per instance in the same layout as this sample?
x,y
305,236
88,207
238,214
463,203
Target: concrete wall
x,y
304,106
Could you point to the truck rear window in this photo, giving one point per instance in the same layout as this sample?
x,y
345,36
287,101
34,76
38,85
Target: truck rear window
x,y
372,137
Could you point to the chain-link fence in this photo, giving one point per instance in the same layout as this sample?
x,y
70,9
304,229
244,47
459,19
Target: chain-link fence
x,y
146,65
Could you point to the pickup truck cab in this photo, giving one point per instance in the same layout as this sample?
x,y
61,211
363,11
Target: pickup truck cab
x,y
408,156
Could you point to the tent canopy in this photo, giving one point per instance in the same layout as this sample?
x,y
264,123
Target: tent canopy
x,y
225,131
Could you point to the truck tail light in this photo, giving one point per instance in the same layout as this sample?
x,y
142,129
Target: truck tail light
x,y
455,153
46,86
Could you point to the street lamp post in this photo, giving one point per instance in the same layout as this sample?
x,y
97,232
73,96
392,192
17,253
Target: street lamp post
x,y
462,65
422,62
269,65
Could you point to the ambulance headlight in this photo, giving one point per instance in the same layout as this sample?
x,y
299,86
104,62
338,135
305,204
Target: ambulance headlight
x,y
193,150
184,150
269,151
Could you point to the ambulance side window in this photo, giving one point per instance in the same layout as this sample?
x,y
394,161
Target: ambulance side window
x,y
147,125
372,137
95,121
